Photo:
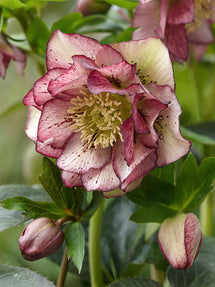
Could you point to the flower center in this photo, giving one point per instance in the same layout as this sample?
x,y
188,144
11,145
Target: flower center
x,y
99,118
203,11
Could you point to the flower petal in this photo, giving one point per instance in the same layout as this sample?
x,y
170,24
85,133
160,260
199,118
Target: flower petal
x,y
181,12
46,149
76,157
55,123
127,130
151,57
171,144
32,123
197,35
62,47
71,179
176,40
103,179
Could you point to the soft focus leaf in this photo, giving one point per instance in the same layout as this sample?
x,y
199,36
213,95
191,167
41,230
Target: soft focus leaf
x,y
75,241
21,277
132,4
126,35
92,207
135,282
202,272
11,218
33,209
12,4
38,35
196,137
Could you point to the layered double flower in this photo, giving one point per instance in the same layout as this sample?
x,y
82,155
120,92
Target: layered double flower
x,y
107,113
177,23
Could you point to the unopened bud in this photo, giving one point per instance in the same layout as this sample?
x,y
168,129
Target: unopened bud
x,y
179,239
40,238
88,7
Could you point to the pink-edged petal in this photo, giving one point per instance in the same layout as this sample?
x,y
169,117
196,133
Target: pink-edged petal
x,y
103,179
40,88
120,75
123,171
134,178
55,123
76,157
29,100
181,12
164,7
176,41
143,19
127,130
71,179
139,122
171,144
201,35
75,87
151,57
4,61
62,47
32,123
46,149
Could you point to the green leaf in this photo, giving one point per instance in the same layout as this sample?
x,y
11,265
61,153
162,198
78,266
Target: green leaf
x,y
156,199
124,3
11,218
197,137
52,182
135,282
75,241
126,35
12,4
202,273
38,35
152,213
92,207
21,277
33,209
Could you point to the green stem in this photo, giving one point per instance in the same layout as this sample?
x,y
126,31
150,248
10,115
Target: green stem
x,y
206,218
156,274
95,248
63,270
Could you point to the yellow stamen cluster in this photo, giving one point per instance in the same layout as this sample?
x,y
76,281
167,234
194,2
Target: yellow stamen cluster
x,y
203,11
99,118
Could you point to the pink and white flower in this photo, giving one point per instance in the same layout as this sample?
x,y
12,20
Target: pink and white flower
x,y
177,23
9,52
107,113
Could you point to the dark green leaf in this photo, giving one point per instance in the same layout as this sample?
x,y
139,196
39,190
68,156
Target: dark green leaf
x,y
75,241
92,207
21,277
126,35
38,35
10,218
135,282
165,173
152,212
197,137
124,3
33,209
52,182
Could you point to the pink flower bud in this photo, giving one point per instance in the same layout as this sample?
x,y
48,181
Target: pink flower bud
x,y
88,7
40,238
179,239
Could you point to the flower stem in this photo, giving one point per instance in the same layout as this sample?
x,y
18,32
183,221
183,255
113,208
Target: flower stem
x,y
63,269
206,218
95,248
157,275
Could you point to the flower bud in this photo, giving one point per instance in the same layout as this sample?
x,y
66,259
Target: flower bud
x,y
179,239
40,238
88,7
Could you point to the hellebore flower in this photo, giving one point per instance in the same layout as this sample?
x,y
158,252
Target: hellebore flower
x,y
180,238
107,113
177,23
41,238
9,52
